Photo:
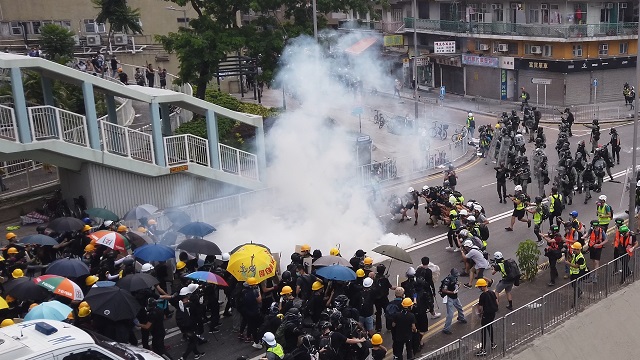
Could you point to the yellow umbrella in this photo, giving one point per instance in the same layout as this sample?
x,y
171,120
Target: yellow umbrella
x,y
252,260
3,304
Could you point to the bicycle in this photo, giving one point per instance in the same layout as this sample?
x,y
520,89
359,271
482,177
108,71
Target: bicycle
x,y
459,135
378,119
439,130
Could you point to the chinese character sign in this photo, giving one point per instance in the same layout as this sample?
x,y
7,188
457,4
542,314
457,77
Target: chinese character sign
x,y
480,60
444,47
393,40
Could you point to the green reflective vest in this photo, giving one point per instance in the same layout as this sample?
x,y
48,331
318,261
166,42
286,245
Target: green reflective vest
x,y
604,216
574,260
277,350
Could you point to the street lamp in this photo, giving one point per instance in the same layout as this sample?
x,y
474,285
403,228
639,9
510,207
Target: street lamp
x,y
415,63
184,14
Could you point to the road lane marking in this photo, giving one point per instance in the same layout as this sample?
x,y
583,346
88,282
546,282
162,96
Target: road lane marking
x,y
489,184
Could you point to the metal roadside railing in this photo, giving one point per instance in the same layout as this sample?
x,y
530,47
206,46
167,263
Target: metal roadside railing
x,y
538,317
586,113
185,149
23,176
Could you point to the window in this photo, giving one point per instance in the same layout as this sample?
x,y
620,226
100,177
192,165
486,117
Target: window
x,y
527,49
90,26
580,13
498,13
534,14
624,48
577,50
603,49
547,50
64,23
16,28
396,15
36,25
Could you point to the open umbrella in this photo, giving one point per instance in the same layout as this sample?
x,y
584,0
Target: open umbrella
x,y
136,282
336,272
140,211
154,252
94,236
200,246
252,243
329,260
39,239
66,224
25,289
113,303
394,252
169,238
50,310
207,276
67,267
177,217
252,261
115,241
138,238
105,283
103,214
197,228
60,285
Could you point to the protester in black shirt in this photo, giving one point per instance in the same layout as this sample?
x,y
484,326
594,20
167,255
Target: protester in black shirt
x,y
487,308
404,324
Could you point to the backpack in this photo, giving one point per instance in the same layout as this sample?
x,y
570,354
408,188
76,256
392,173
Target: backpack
x,y
544,211
484,232
558,206
443,285
376,288
391,309
280,339
512,271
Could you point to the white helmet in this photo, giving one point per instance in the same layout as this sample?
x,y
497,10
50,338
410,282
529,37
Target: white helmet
x,y
146,268
498,255
477,207
463,212
470,204
471,218
411,271
603,197
184,291
638,184
467,243
192,288
269,338
470,114
367,282
426,187
518,188
226,257
410,190
464,233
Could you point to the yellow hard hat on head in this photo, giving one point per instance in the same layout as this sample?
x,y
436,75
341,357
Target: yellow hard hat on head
x,y
6,322
180,265
317,285
70,316
360,273
376,339
84,312
334,252
90,280
83,304
286,290
10,236
368,261
481,283
305,247
152,222
497,126
142,229
86,228
122,228
33,305
407,303
17,273
576,245
89,248
12,251
252,281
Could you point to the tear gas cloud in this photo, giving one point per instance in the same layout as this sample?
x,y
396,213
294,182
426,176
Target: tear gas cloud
x,y
316,197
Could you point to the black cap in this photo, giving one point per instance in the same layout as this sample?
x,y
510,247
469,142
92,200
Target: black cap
x,y
360,253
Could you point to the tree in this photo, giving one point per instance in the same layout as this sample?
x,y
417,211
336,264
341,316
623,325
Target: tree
x,y
57,43
120,16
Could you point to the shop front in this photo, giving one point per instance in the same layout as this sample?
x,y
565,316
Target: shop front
x,y
483,76
448,71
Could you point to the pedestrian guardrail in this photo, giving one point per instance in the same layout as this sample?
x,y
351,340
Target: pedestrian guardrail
x,y
23,176
238,162
184,149
48,122
8,123
519,327
127,142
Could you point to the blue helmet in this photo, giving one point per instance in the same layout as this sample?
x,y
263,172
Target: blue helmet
x,y
87,221
574,214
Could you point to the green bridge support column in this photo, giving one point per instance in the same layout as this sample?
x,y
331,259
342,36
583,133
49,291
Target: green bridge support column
x,y
112,110
20,106
156,134
92,118
47,91
260,153
166,121
212,135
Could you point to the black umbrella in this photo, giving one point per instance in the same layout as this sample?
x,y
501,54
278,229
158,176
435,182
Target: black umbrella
x,y
67,267
39,239
65,224
140,211
112,303
138,238
103,214
169,238
24,288
197,228
200,246
135,282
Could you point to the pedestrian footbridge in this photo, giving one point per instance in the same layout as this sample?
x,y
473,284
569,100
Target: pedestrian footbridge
x,y
98,157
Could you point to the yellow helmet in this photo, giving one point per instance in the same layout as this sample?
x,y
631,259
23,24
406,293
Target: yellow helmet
x,y
70,316
33,305
407,303
498,126
86,228
305,247
10,236
6,322
376,339
84,312
122,228
152,222
368,261
334,251
576,245
481,283
83,304
90,280
317,285
12,251
252,281
180,265
360,273
17,273
280,316
142,229
89,248
286,290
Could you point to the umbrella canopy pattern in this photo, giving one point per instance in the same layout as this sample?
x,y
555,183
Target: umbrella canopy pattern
x,y
140,211
200,246
252,260
50,310
94,236
138,238
154,252
115,241
113,303
103,214
208,277
60,286
135,282
329,260
66,224
25,289
39,239
67,267
336,272
197,228
394,252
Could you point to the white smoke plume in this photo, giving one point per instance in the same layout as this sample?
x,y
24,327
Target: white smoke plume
x,y
317,199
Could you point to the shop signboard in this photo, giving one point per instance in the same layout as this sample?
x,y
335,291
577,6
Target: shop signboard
x,y
444,47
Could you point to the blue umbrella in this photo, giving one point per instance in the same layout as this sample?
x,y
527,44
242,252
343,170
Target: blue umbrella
x,y
50,310
39,239
154,252
336,272
105,283
67,267
197,228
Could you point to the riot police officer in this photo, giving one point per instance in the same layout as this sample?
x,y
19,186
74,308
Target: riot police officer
x,y
588,181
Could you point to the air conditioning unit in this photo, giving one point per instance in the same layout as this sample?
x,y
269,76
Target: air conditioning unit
x,y
609,5
623,5
503,47
76,40
93,40
484,47
536,49
120,39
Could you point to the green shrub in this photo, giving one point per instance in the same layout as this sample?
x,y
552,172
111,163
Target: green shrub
x,y
528,256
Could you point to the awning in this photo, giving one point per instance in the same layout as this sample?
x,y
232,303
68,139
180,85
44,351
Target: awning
x,y
360,46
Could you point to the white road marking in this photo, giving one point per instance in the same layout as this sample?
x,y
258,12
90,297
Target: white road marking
x,y
489,184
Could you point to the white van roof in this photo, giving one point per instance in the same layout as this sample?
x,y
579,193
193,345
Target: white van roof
x,y
25,339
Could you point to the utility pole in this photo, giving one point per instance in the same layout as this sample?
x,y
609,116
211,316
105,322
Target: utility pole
x,y
415,63
634,160
315,20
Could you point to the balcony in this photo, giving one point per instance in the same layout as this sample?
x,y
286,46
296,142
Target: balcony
x,y
574,32
387,27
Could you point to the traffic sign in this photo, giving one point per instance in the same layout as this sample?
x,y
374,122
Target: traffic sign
x,y
595,82
541,81
358,110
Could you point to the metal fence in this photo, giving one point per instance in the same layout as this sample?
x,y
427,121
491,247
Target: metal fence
x,y
184,149
48,122
586,113
23,176
124,141
536,318
238,162
8,123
